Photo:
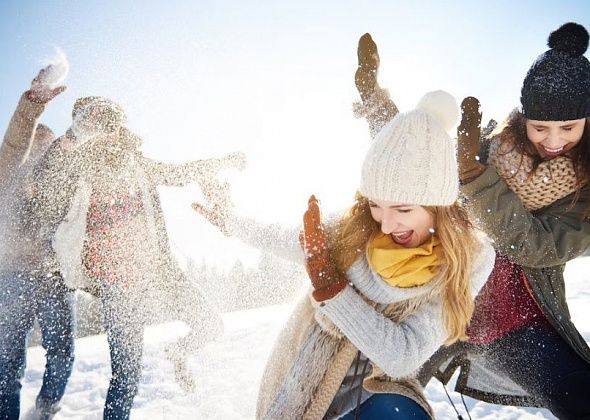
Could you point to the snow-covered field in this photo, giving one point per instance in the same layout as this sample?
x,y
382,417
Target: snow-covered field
x,y
228,371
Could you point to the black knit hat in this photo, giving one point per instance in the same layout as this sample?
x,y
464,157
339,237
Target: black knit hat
x,y
557,86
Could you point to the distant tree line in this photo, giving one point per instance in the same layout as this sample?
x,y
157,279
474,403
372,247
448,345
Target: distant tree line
x,y
273,281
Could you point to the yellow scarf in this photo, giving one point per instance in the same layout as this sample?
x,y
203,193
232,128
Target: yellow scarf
x,y
405,267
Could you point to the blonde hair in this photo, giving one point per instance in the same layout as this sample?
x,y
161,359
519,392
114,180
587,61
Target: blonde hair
x,y
352,233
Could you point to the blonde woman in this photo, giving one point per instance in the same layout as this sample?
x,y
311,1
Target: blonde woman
x,y
392,279
527,186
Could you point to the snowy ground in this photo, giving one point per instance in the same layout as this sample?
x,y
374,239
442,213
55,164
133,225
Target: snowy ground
x,y
228,371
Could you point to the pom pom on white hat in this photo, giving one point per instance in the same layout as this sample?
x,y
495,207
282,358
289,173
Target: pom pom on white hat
x,y
441,105
413,159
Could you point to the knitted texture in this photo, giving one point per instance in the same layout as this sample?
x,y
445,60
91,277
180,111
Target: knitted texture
x,y
557,86
344,317
550,181
412,160
305,375
332,380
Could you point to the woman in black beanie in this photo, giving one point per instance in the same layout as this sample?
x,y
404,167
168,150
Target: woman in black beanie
x,y
527,187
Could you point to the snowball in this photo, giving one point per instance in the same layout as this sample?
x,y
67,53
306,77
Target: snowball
x,y
57,69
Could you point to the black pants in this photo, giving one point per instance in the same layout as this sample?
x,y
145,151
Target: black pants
x,y
541,362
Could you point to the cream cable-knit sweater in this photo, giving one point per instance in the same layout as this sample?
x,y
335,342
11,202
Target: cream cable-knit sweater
x,y
399,349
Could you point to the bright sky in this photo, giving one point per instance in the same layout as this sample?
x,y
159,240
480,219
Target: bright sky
x,y
274,79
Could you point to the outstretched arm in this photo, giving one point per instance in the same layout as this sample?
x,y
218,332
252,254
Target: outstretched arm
x,y
376,105
284,242
172,174
279,240
19,135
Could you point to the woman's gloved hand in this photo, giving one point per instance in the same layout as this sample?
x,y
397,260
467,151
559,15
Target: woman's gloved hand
x,y
325,279
468,137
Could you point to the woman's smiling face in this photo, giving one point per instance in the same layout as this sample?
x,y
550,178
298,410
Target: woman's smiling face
x,y
409,225
554,138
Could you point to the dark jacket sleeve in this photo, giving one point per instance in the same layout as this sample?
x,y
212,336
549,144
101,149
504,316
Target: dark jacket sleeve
x,y
548,237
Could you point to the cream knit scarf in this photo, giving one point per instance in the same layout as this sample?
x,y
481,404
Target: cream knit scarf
x,y
305,374
550,181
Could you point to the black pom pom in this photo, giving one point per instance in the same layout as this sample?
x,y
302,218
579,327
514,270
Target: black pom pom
x,y
570,37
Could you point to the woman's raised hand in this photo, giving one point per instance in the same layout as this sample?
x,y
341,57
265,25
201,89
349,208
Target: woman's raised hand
x,y
42,90
365,77
218,205
468,137
376,105
325,279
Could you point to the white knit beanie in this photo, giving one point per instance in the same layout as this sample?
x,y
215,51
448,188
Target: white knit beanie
x,y
413,159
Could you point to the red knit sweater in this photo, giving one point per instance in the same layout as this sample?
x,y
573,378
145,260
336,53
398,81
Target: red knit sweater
x,y
110,250
504,304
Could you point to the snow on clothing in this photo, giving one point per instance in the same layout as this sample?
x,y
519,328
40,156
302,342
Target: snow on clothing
x,y
319,344
507,300
31,288
542,364
78,215
114,241
538,244
18,253
114,248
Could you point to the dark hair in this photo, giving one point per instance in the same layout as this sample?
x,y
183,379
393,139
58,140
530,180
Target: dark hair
x,y
583,152
514,130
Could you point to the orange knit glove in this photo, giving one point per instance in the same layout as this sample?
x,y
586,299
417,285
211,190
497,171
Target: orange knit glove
x,y
326,280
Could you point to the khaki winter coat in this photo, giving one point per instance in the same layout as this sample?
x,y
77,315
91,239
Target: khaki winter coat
x,y
541,242
18,137
17,253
